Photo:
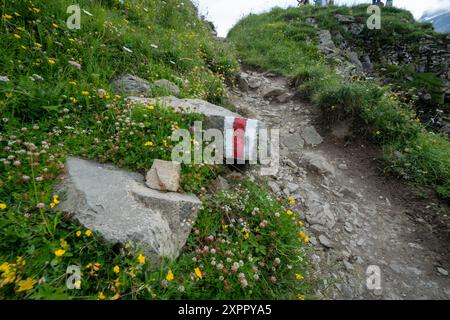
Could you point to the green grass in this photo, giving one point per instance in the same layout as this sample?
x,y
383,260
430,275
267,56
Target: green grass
x,y
281,41
49,109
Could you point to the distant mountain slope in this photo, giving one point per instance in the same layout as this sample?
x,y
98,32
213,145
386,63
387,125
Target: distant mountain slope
x,y
440,20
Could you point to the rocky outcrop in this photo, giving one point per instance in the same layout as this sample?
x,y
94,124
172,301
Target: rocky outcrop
x,y
118,205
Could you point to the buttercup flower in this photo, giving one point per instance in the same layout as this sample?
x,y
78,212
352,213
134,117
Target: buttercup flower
x,y
198,273
60,252
3,206
141,259
116,269
26,285
88,233
169,276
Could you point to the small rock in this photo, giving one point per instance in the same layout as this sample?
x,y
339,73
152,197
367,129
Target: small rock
x,y
290,163
348,265
285,97
292,187
164,176
348,227
442,271
254,83
343,166
273,92
325,241
274,187
311,136
319,164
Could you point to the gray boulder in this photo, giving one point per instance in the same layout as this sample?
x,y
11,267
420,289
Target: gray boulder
x,y
118,205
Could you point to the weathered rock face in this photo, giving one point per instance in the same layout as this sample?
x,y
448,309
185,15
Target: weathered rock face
x,y
117,204
164,176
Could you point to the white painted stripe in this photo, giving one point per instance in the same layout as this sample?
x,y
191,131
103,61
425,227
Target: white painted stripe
x,y
229,137
251,140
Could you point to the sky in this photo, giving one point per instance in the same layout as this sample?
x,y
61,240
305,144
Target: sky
x,y
225,13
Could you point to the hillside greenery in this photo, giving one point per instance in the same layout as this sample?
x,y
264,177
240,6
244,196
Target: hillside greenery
x,y
56,99
282,41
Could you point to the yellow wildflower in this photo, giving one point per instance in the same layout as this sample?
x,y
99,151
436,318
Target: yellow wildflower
x,y
300,223
88,233
198,273
306,239
55,26
151,107
141,259
289,213
60,252
51,61
302,234
3,206
38,45
148,144
116,296
22,47
17,36
298,276
26,285
169,276
301,297
78,233
291,200
96,266
17,14
85,93
101,296
4,267
7,16
116,269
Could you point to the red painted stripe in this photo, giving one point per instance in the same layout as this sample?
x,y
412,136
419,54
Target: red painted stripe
x,y
239,137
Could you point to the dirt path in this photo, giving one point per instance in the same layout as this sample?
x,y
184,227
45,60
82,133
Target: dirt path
x,y
357,218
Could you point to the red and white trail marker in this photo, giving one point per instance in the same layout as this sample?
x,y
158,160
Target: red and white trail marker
x,y
241,139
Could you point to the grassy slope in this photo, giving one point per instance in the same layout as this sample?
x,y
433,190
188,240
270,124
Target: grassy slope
x,y
281,41
50,108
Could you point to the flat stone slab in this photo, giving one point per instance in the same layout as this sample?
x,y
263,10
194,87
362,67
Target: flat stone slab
x,y
117,204
187,105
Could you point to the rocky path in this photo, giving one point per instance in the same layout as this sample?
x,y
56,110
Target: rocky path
x,y
356,217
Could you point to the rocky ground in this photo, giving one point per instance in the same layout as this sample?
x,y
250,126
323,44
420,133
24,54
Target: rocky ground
x,y
358,217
